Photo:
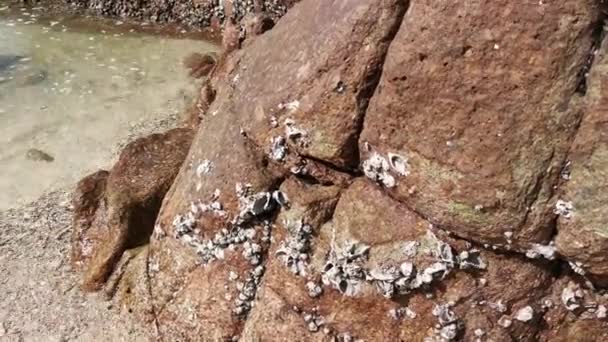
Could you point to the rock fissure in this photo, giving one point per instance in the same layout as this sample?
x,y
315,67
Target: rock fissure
x,y
598,33
372,81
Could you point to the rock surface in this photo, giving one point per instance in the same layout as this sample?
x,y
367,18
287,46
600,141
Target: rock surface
x,y
583,225
483,153
303,214
115,211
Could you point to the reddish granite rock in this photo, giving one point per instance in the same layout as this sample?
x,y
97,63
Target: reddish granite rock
x,y
313,92
482,112
573,312
87,200
583,228
116,211
269,233
477,298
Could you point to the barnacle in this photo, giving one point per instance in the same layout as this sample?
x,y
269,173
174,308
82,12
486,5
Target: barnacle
x,y
204,168
525,314
342,269
376,168
293,252
410,248
537,250
278,148
314,289
471,259
571,297
313,320
399,164
564,208
448,321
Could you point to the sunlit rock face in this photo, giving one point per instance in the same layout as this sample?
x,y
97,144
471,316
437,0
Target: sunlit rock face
x,y
381,171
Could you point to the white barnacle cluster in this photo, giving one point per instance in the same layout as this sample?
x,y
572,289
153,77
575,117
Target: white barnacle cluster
x,y
183,225
343,270
238,233
572,297
378,168
214,206
525,314
577,267
255,205
314,289
564,209
448,323
204,168
346,337
247,291
538,250
278,148
295,133
401,312
471,259
314,321
294,250
390,280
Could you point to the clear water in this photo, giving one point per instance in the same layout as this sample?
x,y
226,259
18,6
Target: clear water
x,y
78,89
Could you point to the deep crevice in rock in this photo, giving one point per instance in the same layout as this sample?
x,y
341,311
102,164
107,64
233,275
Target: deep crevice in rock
x,y
371,83
597,35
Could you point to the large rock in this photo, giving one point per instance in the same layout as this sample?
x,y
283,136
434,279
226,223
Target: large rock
x,y
313,92
116,211
269,233
479,113
583,226
228,168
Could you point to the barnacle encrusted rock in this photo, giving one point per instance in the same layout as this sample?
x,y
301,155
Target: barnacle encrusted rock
x,y
476,107
317,88
115,211
270,233
583,235
364,311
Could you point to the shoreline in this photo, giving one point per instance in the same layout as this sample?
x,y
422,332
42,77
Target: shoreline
x,y
44,302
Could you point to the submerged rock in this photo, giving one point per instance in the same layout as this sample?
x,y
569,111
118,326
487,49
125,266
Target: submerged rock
x,y
38,155
9,61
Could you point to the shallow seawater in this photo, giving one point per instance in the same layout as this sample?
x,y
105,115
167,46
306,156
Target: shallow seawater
x,y
70,90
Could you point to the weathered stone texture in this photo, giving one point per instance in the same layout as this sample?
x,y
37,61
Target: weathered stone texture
x,y
115,211
583,232
483,110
